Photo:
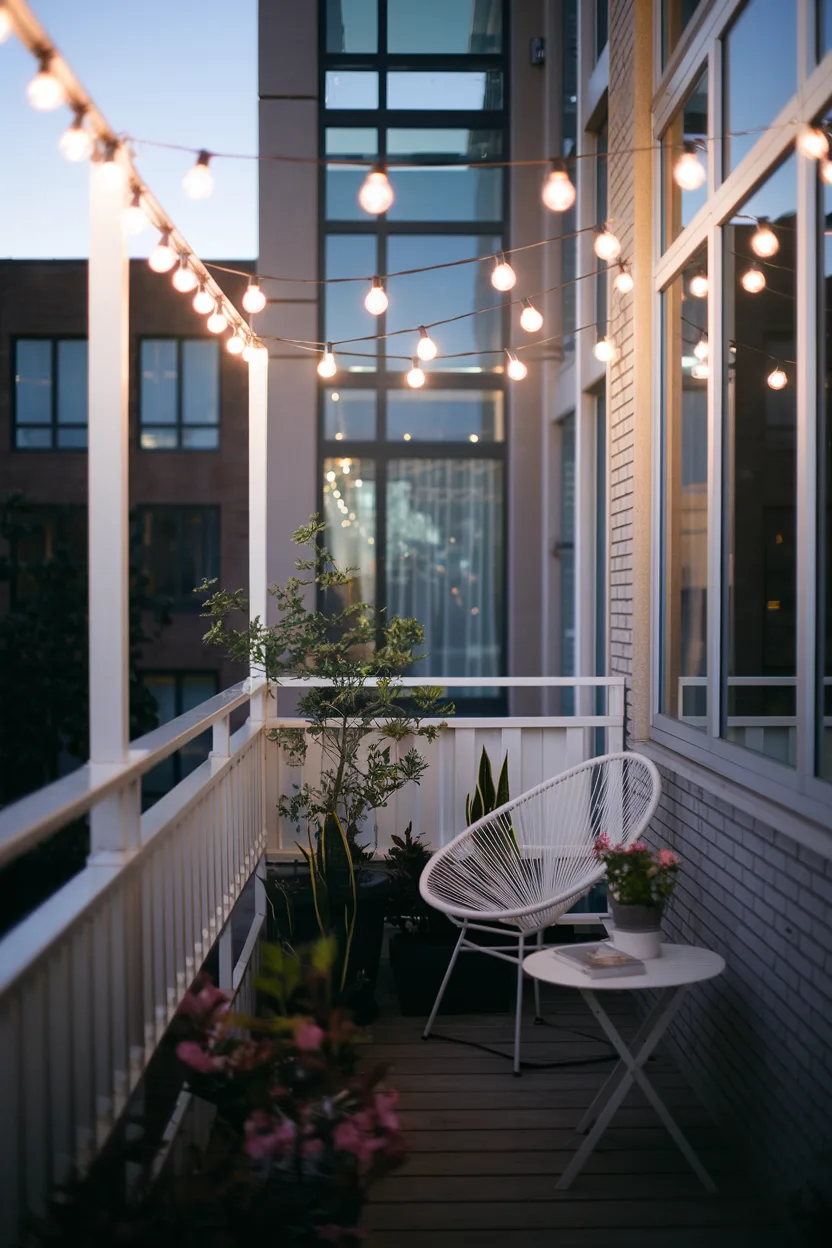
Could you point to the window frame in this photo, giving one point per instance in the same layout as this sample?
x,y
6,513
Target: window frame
x,y
55,424
179,339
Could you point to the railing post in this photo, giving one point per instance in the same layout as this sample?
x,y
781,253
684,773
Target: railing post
x,y
615,709
220,743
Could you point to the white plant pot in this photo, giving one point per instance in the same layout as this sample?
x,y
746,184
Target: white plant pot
x,y
643,945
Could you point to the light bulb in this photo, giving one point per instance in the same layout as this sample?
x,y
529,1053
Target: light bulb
x,y
236,344
623,282
112,174
605,350
515,368
76,143
530,319
813,143
700,372
699,286
826,170
5,25
249,351
376,194
198,182
558,193
776,379
764,241
184,279
688,172
217,321
254,300
376,301
415,377
503,276
326,365
701,349
606,245
203,301
753,280
44,92
425,348
330,476
135,217
162,258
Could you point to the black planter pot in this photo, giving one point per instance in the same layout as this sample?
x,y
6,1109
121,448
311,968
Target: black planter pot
x,y
636,918
479,984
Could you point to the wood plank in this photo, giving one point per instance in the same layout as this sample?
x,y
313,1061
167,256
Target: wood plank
x,y
542,1117
513,1188
655,1161
589,1078
529,1095
717,1237
563,1213
535,1139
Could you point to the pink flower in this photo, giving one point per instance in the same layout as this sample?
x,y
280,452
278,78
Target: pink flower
x,y
308,1038
667,858
638,847
208,1000
193,1055
266,1136
312,1148
348,1138
383,1103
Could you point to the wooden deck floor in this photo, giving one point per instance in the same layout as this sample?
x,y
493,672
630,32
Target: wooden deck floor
x,y
485,1149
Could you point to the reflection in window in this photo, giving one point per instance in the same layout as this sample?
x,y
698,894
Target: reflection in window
x,y
689,125
445,415
445,560
177,548
824,28
349,492
352,26
176,693
601,146
684,693
444,26
442,90
602,25
760,479
824,700
50,393
179,394
760,60
41,534
675,17
348,255
351,89
453,188
349,415
343,182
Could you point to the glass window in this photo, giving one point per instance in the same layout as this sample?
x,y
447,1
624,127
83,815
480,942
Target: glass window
x,y
352,26
176,548
72,382
445,416
420,298
676,15
349,414
50,393
760,59
343,182
565,554
179,396
351,89
690,125
445,560
44,533
824,699
602,26
824,27
601,196
349,491
443,90
759,455
684,603
350,255
447,191
176,693
33,382
200,383
444,26
160,382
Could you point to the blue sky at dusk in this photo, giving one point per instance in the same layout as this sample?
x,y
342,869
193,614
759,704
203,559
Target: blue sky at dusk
x,y
182,71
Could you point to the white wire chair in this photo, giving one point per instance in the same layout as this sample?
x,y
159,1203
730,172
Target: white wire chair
x,y
527,863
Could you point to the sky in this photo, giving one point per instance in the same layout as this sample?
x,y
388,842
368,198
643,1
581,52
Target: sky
x,y
179,71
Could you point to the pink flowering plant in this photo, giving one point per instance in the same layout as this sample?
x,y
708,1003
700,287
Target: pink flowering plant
x,y
635,875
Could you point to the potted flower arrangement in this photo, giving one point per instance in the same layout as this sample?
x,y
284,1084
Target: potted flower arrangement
x,y
639,883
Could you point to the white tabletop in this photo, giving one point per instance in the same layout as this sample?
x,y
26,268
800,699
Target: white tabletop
x,y
679,964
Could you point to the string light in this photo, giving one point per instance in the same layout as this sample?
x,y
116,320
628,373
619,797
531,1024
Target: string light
x,y
203,301
44,92
5,25
76,142
217,322
415,377
326,365
688,172
606,245
135,217
605,350
776,379
236,344
530,319
812,143
425,348
515,368
376,194
198,182
764,241
698,286
753,280
558,193
503,276
254,300
162,258
184,279
623,282
112,173
701,349
376,301
700,371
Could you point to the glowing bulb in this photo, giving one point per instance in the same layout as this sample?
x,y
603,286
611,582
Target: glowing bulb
x,y
376,301
162,258
358,482
217,321
326,365
197,182
503,276
688,172
330,476
764,241
236,344
426,348
623,282
558,193
530,319
5,25
776,379
699,286
813,143
606,245
112,173
515,368
135,218
203,301
184,279
605,350
376,194
701,349
415,377
76,143
254,300
473,437
44,92
700,372
826,170
753,280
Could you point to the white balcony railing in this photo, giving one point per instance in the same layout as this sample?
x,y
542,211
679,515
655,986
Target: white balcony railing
x,y
773,735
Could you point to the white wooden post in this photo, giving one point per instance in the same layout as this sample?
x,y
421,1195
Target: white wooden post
x,y
258,415
115,822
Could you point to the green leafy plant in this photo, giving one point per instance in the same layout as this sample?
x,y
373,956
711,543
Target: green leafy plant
x,y
406,908
486,798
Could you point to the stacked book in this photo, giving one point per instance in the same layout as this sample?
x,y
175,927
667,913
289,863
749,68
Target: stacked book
x,y
599,960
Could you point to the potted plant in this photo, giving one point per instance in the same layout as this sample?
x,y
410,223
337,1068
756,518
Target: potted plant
x,y
639,883
361,725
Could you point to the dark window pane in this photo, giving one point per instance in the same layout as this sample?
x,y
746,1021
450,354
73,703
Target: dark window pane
x,y
200,439
445,415
72,382
178,546
343,182
448,191
760,58
33,382
445,560
158,440
419,298
350,414
351,26
824,27
357,89
444,26
569,73
566,557
71,439
200,383
675,16
601,147
350,255
199,551
443,90
824,699
349,490
690,123
602,26
159,382
32,439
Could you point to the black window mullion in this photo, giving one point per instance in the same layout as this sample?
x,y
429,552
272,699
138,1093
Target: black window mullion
x,y
179,439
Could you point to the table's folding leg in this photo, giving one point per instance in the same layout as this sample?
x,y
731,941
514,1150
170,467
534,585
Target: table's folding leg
x,y
618,1071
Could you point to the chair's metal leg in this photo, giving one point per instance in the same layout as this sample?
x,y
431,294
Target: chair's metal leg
x,y
518,1014
444,983
538,1015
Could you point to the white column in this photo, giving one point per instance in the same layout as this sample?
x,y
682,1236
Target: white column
x,y
258,438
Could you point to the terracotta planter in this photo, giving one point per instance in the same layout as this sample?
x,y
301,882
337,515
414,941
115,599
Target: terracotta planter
x,y
636,929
